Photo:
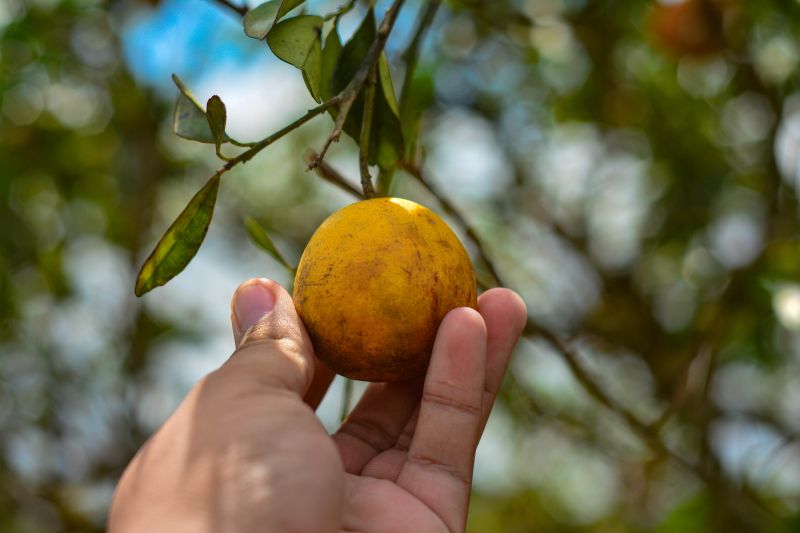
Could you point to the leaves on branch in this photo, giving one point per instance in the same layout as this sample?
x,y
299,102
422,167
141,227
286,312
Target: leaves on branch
x,y
217,117
297,41
331,52
259,21
181,241
388,145
261,238
312,70
386,139
189,119
385,80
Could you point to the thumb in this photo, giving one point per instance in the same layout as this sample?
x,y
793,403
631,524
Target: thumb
x,y
272,345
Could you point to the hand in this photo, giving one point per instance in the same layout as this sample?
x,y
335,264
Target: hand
x,y
245,452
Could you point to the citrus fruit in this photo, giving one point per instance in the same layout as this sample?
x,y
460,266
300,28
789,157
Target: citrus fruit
x,y
691,28
373,284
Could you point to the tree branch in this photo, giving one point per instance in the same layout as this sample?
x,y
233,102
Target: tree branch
x,y
247,155
453,211
645,432
364,140
331,175
350,92
255,148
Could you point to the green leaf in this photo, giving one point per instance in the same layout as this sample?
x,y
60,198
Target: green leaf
x,y
286,6
189,119
217,117
181,241
297,41
260,236
312,70
350,58
330,57
386,145
293,39
420,97
259,21
385,79
386,139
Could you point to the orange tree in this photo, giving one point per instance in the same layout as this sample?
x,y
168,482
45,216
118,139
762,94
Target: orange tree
x,y
643,200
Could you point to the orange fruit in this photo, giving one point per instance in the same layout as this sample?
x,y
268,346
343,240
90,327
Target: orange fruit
x,y
689,28
373,284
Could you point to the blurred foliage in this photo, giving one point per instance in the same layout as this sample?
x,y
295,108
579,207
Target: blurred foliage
x,y
630,166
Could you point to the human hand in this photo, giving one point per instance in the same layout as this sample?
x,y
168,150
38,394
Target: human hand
x,y
245,452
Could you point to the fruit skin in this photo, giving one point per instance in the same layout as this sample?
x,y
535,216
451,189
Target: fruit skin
x,y
375,281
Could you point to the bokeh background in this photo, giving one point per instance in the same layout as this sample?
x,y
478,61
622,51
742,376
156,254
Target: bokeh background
x,y
631,166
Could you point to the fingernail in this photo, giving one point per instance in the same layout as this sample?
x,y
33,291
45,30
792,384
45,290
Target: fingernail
x,y
252,302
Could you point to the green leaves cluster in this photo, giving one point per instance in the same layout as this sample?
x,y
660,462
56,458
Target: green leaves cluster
x,y
386,139
190,121
327,66
328,69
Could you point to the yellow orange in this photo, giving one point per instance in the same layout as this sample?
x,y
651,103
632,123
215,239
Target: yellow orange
x,y
375,281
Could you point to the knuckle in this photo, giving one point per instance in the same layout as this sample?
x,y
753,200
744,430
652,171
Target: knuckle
x,y
453,402
429,463
268,330
373,435
283,362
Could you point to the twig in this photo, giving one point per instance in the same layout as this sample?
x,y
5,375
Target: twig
x,y
350,92
453,211
331,175
583,377
684,389
239,10
366,128
247,155
411,54
645,432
